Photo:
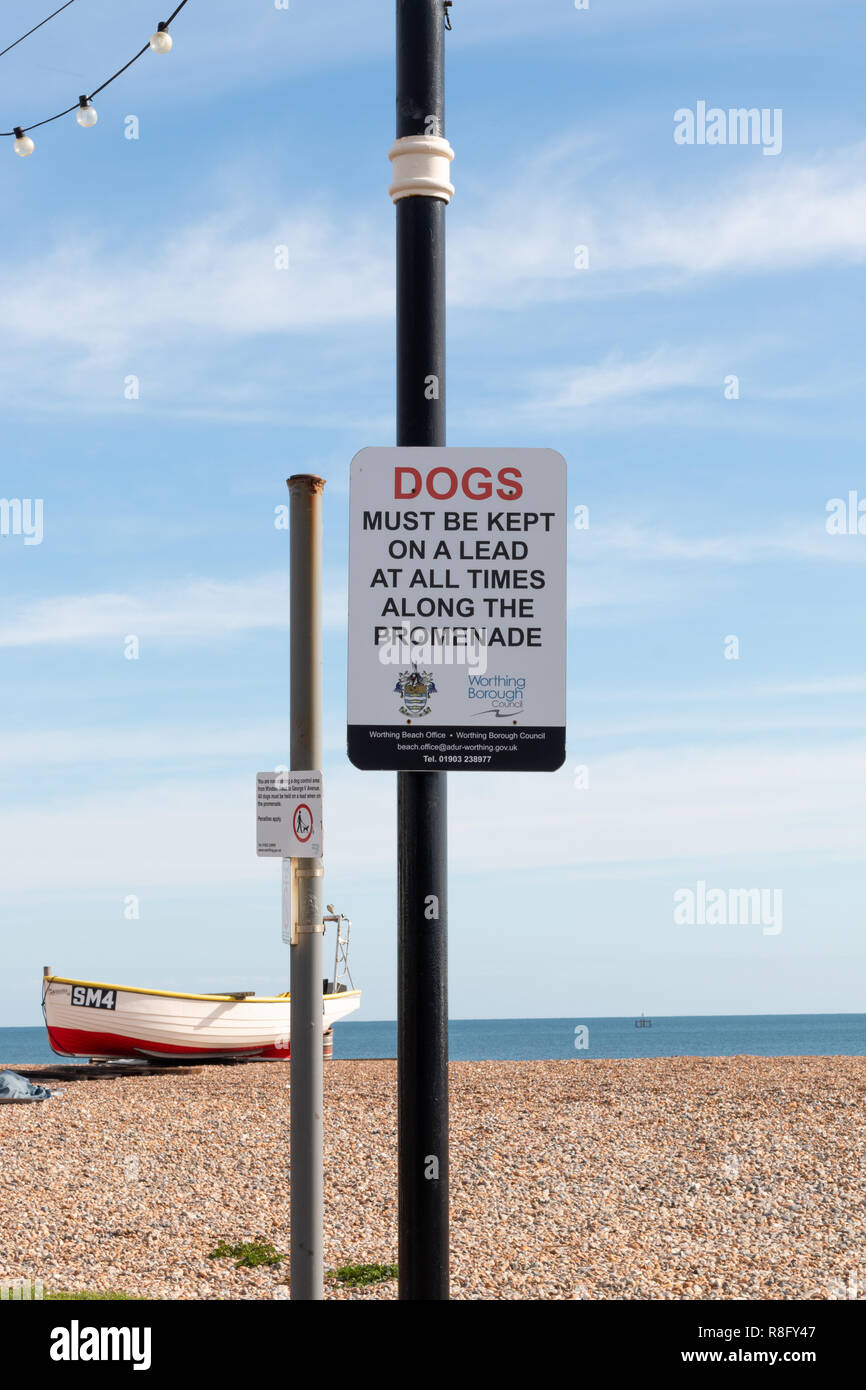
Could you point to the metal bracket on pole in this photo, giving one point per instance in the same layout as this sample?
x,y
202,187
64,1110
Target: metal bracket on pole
x,y
298,926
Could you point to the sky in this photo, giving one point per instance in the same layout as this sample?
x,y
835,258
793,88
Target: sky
x,y
701,371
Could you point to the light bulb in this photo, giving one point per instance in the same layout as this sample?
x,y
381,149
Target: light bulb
x,y
23,144
161,41
86,114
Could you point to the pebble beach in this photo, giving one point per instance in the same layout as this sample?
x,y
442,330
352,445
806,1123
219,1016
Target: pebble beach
x,y
681,1178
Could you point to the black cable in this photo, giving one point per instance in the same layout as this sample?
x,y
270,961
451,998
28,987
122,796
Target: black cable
x,y
120,70
174,12
35,27
22,130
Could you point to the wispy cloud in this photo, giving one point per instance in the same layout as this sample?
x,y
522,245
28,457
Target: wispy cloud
x,y
645,810
154,746
824,687
217,276
200,609
787,539
720,714
521,246
811,213
205,608
615,379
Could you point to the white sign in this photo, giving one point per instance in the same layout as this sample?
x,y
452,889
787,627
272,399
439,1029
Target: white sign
x,y
289,814
457,609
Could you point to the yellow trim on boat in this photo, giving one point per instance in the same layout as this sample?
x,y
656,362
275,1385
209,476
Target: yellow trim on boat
x,y
174,994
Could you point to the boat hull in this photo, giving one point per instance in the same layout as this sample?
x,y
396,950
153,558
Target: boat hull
x,y
89,1019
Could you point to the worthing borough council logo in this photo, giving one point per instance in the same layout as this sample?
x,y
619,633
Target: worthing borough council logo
x,y
415,686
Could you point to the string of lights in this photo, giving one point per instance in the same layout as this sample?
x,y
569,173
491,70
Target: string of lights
x,y
85,112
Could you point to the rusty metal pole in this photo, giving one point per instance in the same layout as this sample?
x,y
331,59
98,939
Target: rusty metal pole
x,y
305,1047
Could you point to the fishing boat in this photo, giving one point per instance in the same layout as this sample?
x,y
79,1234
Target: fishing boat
x,y
88,1018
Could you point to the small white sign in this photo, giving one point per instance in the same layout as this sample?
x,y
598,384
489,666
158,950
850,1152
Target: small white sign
x,y
289,814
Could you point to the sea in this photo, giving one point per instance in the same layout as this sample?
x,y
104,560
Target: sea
x,y
519,1039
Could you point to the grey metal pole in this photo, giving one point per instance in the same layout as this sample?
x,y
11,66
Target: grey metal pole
x,y
305,1047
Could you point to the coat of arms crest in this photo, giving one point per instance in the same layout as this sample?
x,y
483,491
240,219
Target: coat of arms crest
x,y
415,687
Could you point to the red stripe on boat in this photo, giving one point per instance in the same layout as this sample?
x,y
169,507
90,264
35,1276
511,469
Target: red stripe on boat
x,y
77,1042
